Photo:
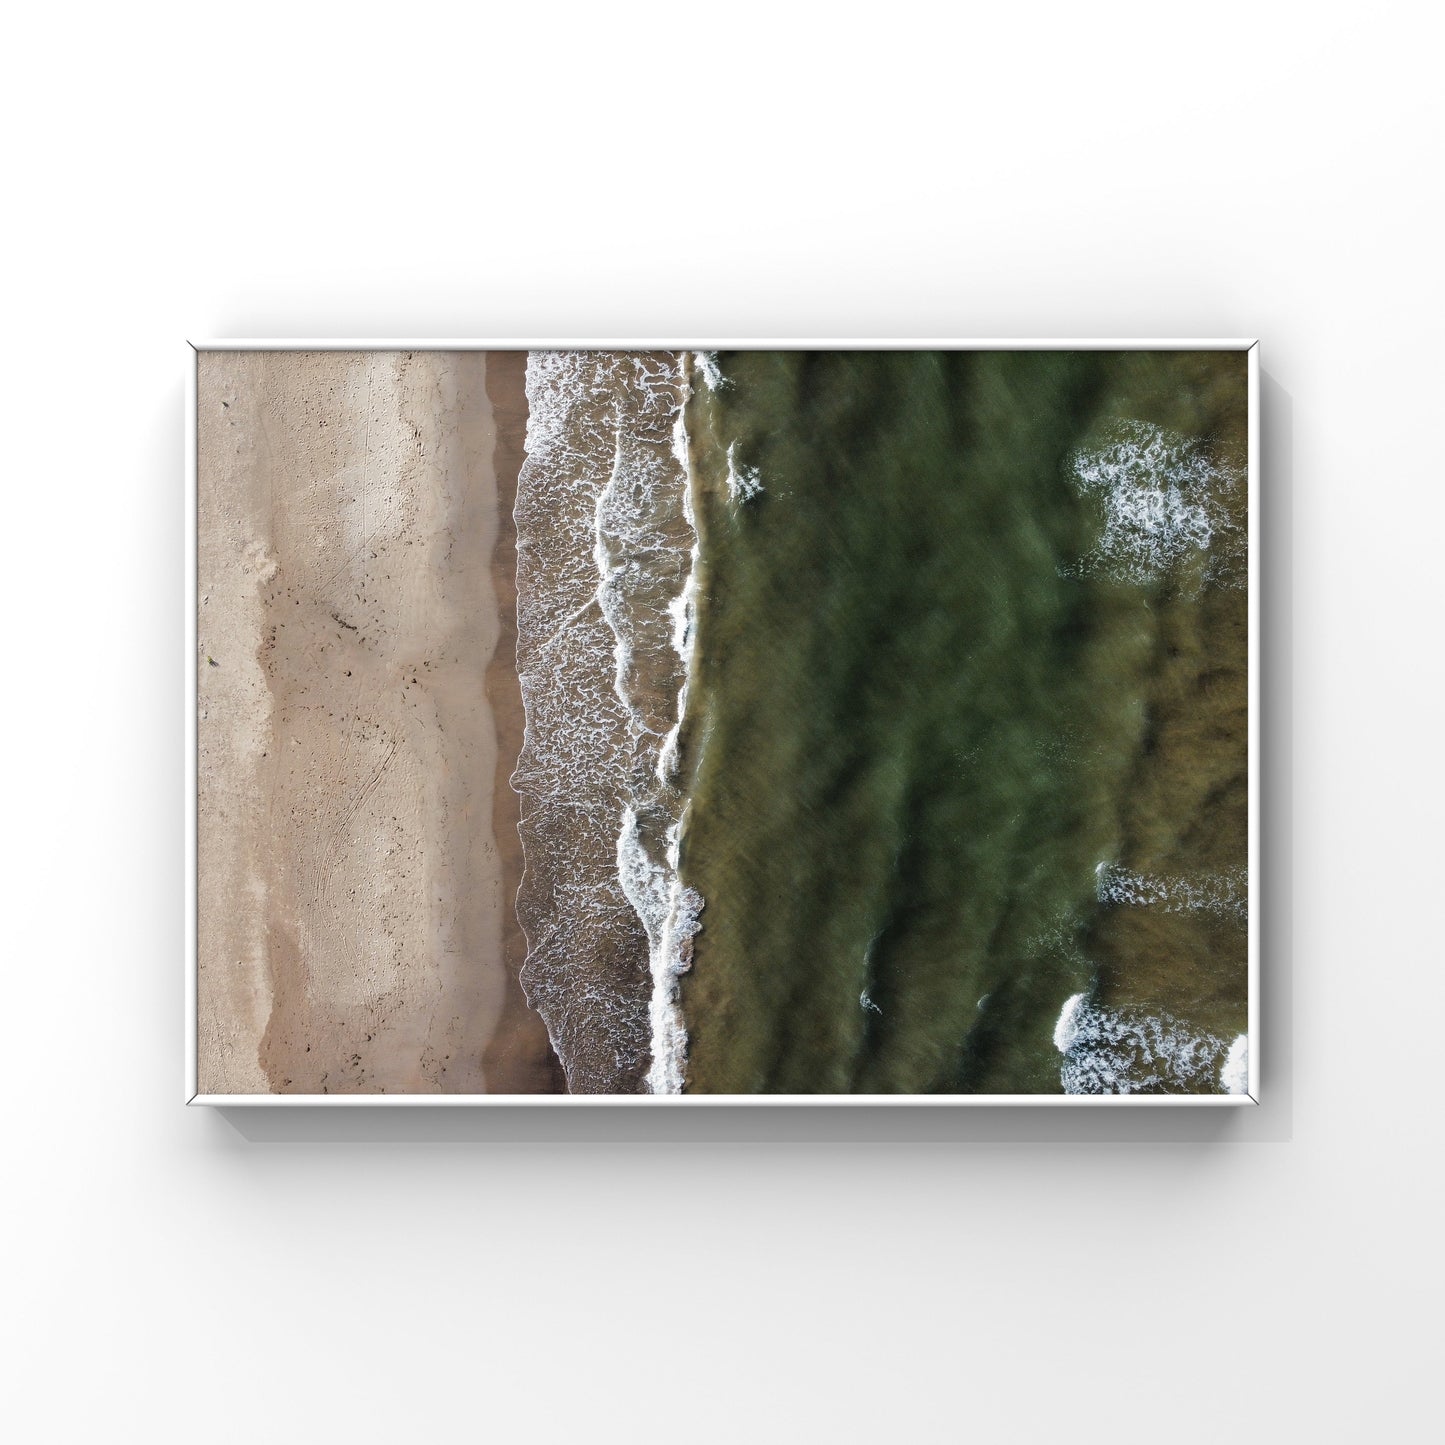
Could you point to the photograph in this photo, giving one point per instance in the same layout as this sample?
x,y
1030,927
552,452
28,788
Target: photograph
x,y
779,722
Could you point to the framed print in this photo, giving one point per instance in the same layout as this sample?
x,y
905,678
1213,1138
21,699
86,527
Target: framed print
x,y
752,721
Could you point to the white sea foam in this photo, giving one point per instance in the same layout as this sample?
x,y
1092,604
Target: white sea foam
x,y
708,369
1129,1051
1067,1025
1235,1075
682,609
744,483
1224,893
670,915
1166,500
680,453
606,554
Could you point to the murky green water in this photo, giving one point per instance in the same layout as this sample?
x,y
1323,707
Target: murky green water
x,y
970,626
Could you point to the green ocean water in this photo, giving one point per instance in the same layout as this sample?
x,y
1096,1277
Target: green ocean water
x,y
939,683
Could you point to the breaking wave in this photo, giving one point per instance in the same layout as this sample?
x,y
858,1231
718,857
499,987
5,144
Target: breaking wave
x,y
1235,1076
743,482
709,370
1225,893
1129,1051
1167,502
606,552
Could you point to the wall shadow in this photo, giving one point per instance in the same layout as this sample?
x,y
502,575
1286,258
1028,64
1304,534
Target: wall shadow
x,y
1275,1087
739,1124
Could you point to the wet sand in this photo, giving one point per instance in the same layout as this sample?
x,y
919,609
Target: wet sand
x,y
519,1058
355,907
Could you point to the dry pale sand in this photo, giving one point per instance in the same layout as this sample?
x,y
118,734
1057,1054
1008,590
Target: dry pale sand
x,y
355,911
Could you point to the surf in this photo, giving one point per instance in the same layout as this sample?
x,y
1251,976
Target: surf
x,y
607,557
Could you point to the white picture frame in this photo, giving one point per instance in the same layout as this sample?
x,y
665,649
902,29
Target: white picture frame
x,y
192,1094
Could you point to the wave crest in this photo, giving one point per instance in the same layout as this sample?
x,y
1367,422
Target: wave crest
x,y
1129,1051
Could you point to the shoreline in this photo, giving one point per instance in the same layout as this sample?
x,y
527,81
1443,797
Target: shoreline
x,y
519,1058
602,536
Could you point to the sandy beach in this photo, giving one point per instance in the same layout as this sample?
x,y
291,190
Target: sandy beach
x,y
358,855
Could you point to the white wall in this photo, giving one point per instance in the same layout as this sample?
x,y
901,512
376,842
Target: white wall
x,y
1105,169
